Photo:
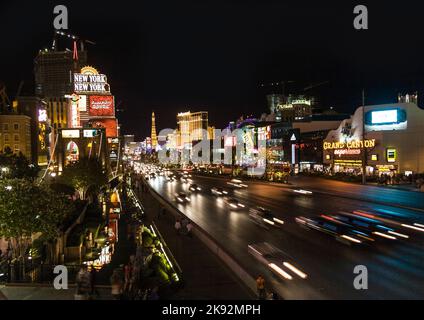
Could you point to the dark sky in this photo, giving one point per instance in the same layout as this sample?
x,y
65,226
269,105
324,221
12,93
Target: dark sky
x,y
173,56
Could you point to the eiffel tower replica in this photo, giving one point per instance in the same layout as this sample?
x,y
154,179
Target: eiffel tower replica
x,y
153,134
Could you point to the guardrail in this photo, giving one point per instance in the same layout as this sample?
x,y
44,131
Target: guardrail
x,y
230,261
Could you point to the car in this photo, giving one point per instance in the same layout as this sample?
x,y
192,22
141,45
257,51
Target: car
x,y
370,225
233,203
194,187
392,218
277,260
170,178
185,179
342,232
264,217
218,191
302,191
182,197
237,183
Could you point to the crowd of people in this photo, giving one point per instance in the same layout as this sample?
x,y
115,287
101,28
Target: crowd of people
x,y
183,226
126,283
86,283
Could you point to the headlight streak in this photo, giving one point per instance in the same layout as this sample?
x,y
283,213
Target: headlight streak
x,y
278,221
295,270
412,227
269,221
384,235
399,234
280,271
351,239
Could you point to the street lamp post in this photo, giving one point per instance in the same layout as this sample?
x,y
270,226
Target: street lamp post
x,y
364,149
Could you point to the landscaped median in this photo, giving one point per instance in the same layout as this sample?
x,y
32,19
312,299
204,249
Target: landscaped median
x,y
159,261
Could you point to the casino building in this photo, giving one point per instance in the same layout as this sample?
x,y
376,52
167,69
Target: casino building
x,y
388,137
91,123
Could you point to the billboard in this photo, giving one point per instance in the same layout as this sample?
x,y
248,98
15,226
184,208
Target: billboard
x,y
90,133
90,81
101,106
66,133
111,126
386,119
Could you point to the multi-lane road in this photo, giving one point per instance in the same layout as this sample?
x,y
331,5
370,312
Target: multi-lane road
x,y
395,267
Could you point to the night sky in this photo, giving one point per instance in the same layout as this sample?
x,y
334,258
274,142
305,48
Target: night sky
x,y
173,56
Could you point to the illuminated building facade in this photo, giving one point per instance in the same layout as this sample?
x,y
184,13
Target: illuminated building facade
x,y
190,126
15,133
92,104
77,143
393,141
295,108
35,108
53,72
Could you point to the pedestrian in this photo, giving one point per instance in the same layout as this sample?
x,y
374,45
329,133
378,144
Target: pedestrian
x,y
260,286
153,295
161,212
93,276
178,226
189,228
9,254
116,283
83,284
128,270
273,296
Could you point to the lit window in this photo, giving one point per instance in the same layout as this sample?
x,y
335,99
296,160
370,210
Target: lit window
x,y
374,157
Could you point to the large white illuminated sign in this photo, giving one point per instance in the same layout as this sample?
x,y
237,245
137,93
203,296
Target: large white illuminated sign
x,y
42,115
384,116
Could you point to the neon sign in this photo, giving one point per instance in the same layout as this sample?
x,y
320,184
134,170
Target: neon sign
x,y
340,152
90,80
355,144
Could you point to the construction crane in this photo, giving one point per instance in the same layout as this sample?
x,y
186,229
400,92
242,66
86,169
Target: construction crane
x,y
72,37
315,85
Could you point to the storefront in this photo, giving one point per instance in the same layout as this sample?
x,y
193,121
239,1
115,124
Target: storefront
x,y
393,141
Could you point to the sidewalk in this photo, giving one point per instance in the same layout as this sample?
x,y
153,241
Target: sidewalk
x,y
205,277
124,248
43,292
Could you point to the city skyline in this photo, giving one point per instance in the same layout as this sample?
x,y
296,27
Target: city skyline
x,y
225,60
